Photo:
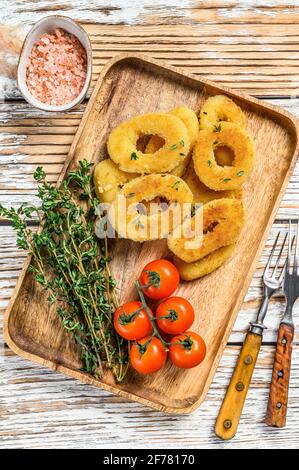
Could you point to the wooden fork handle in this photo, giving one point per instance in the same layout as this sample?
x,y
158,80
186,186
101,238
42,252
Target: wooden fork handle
x,y
278,397
232,406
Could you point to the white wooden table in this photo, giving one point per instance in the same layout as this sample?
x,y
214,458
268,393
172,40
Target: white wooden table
x,y
250,45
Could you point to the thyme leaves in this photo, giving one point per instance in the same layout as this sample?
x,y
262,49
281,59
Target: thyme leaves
x,y
134,156
72,265
217,128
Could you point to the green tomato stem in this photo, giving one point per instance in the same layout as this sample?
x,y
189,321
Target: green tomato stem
x,y
156,331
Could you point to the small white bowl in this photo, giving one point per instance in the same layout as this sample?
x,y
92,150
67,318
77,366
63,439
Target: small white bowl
x,y
46,25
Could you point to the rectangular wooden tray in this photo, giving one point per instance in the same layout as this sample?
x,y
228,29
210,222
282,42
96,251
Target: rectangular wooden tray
x,y
130,85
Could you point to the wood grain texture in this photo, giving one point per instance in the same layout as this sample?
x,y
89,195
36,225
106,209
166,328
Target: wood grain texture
x,y
41,408
231,409
132,85
164,12
243,45
279,389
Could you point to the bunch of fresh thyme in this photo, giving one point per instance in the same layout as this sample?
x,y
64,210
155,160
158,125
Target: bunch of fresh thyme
x,y
73,266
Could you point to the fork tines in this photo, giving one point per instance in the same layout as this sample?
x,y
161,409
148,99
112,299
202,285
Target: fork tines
x,y
274,268
292,239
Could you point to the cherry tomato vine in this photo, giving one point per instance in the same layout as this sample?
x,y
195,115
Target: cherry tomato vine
x,y
174,315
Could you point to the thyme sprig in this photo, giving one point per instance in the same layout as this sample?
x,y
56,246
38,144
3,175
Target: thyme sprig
x,y
72,265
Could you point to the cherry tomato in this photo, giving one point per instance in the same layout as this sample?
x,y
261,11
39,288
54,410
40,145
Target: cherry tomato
x,y
132,325
148,355
174,315
163,277
187,350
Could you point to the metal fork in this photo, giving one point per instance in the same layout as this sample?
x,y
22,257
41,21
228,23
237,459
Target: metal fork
x,y
278,397
232,406
271,283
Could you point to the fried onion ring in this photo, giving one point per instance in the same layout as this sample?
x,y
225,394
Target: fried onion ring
x,y
204,266
190,120
180,170
221,108
155,143
222,221
202,193
137,223
207,169
108,179
123,140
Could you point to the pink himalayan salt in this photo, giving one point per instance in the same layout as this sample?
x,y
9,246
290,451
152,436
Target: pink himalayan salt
x,y
56,69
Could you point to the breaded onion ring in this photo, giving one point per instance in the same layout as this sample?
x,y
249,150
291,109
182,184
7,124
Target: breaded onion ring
x,y
190,120
180,170
202,193
123,140
204,266
222,221
221,108
207,169
137,223
155,143
108,179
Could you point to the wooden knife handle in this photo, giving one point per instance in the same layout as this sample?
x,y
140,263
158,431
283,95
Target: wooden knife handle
x,y
231,409
278,397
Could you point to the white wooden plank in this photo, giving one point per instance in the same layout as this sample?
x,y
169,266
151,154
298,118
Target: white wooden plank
x,y
122,11
103,12
40,408
256,22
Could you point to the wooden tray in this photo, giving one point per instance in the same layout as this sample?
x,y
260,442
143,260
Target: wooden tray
x,y
131,85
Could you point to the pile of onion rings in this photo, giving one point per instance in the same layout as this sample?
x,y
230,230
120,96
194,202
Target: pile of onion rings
x,y
179,158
